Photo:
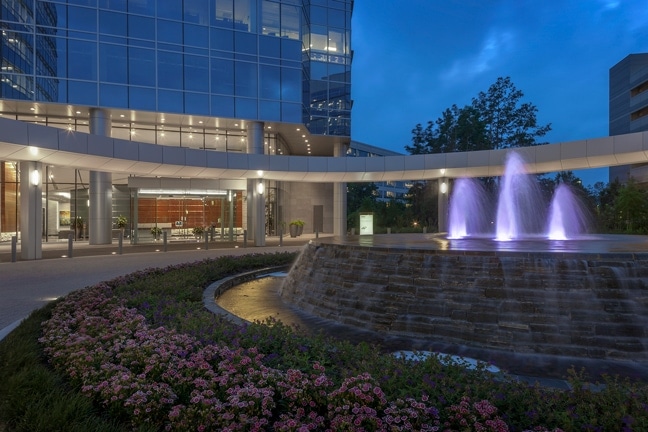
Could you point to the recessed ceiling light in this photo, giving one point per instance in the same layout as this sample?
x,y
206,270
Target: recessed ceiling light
x,y
200,122
32,109
78,112
121,115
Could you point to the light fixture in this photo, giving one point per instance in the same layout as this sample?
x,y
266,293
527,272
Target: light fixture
x,y
260,187
442,171
260,173
35,178
444,187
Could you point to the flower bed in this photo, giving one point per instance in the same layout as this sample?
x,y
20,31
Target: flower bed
x,y
144,350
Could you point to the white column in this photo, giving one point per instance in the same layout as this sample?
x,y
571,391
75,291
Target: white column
x,y
339,197
31,210
100,212
444,192
255,197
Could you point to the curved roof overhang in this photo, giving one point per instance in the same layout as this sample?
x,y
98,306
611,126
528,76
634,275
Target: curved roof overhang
x,y
22,141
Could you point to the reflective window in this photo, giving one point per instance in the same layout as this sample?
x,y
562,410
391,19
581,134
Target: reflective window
x,y
245,43
269,46
246,79
222,106
318,15
170,101
82,19
196,35
141,66
82,92
222,39
92,3
291,84
336,18
141,98
196,73
246,108
336,42
223,15
318,38
171,9
270,111
170,70
270,21
144,7
170,31
196,11
111,95
82,60
290,22
117,5
113,64
291,50
269,82
291,112
141,27
112,23
197,103
222,76
245,15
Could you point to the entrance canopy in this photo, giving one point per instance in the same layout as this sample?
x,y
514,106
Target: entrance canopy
x,y
32,142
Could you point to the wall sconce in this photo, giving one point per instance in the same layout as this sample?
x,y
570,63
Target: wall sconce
x,y
260,187
229,196
444,187
35,178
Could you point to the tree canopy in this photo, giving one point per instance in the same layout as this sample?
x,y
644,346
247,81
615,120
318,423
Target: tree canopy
x,y
496,119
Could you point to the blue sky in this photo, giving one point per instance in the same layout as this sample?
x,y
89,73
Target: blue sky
x,y
415,58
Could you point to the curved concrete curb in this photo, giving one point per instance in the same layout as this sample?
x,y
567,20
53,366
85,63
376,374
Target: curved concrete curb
x,y
217,288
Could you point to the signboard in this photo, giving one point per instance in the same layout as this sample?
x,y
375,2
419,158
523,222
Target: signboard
x,y
366,223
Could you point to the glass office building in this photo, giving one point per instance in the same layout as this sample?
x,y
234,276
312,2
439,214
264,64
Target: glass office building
x,y
198,74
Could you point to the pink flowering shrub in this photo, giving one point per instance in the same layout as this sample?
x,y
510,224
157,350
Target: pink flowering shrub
x,y
474,416
155,376
148,354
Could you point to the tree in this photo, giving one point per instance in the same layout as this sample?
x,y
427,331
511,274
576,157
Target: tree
x,y
508,122
496,119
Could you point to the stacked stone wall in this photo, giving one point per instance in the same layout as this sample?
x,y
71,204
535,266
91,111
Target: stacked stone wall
x,y
582,305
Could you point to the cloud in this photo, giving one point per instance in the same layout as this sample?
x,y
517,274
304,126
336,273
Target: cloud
x,y
493,48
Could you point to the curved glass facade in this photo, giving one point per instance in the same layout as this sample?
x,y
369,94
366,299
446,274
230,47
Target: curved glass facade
x,y
281,61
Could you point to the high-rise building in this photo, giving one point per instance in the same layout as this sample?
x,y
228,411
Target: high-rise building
x,y
629,109
269,77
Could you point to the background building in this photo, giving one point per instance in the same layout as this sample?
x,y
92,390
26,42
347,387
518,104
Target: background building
x,y
629,109
254,76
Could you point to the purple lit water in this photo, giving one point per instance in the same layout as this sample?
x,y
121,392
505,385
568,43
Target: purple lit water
x,y
521,211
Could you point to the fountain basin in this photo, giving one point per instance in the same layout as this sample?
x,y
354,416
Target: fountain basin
x,y
533,306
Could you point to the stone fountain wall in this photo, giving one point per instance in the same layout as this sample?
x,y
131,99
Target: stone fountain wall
x,y
523,311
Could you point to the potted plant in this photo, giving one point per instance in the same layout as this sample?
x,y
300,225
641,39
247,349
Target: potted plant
x,y
156,231
296,227
78,225
121,223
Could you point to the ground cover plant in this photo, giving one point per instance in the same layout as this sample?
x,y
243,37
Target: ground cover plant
x,y
140,352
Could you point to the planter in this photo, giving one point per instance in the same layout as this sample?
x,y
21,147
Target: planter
x,y
294,230
300,230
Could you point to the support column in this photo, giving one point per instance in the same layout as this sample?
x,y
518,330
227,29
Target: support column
x,y
255,196
444,192
339,197
100,212
31,210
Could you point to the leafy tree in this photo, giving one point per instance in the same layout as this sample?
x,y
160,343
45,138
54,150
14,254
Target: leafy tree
x,y
496,119
361,197
509,123
423,204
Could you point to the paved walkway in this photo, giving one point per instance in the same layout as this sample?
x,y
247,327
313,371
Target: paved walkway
x,y
29,285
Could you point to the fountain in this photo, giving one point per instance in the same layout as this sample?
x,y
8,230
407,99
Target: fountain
x,y
521,284
521,212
